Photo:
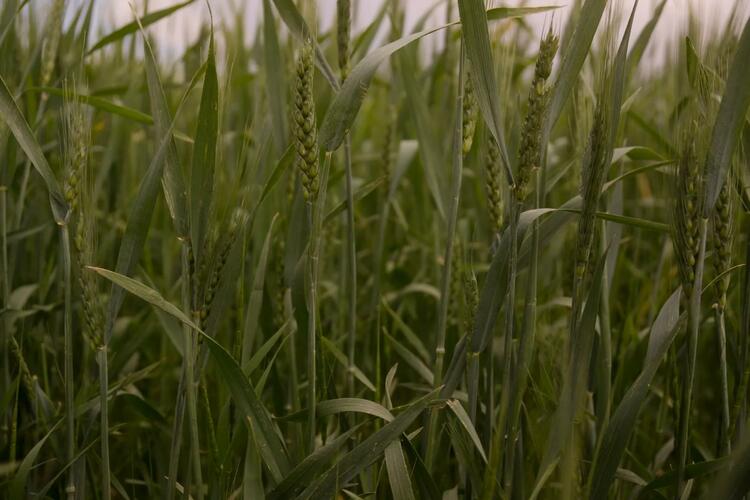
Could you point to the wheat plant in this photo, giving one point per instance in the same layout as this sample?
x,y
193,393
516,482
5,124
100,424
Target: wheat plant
x,y
374,256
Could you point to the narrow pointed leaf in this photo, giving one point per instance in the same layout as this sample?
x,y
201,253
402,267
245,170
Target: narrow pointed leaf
x,y
367,451
272,447
18,483
100,104
312,465
617,432
12,116
573,58
297,25
398,472
132,27
476,36
729,122
204,155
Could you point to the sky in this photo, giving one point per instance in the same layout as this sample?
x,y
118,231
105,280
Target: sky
x,y
180,28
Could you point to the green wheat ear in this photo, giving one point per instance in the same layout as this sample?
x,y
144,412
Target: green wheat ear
x,y
686,207
236,223
592,178
77,141
470,112
530,150
723,237
493,184
305,131
51,41
343,34
685,231
471,299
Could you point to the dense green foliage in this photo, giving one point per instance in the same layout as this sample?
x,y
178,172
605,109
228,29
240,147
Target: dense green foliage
x,y
361,264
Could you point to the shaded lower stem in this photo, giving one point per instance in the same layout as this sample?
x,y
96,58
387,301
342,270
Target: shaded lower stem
x,y
70,489
694,316
104,419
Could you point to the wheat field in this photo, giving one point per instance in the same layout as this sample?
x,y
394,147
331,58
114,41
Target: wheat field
x,y
463,260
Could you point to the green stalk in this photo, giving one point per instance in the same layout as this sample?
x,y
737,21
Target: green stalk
x,y
192,405
525,348
176,442
352,260
104,419
312,309
604,367
455,198
721,337
14,422
315,209
738,409
694,317
70,489
179,416
191,343
472,382
5,287
499,436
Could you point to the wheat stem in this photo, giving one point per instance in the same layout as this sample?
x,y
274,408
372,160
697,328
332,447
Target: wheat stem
x,y
694,317
445,281
68,363
104,419
351,248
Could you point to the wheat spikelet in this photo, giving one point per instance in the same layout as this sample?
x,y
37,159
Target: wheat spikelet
x,y
305,124
236,223
493,184
77,140
343,33
686,207
723,237
471,299
530,150
51,41
470,111
592,177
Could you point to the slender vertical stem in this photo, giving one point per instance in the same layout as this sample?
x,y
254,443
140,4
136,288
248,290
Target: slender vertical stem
x,y
694,317
312,309
5,286
191,383
499,435
176,444
455,198
740,391
192,404
351,247
721,337
472,382
525,348
179,415
315,211
14,422
604,367
104,419
70,489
